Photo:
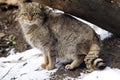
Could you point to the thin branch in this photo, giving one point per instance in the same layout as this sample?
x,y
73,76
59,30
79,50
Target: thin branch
x,y
6,73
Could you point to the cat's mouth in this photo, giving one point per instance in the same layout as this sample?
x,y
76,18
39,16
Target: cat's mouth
x,y
30,23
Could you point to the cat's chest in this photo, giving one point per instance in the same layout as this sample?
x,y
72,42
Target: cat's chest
x,y
37,37
30,39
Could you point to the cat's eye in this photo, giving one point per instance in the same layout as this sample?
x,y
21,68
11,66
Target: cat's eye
x,y
35,14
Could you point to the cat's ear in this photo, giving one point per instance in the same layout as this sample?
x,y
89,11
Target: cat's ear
x,y
48,10
40,6
20,5
37,4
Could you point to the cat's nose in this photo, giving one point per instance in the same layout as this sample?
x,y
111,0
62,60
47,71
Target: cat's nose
x,y
30,18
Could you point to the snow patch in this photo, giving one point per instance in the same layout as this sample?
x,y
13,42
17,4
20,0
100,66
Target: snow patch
x,y
107,74
26,66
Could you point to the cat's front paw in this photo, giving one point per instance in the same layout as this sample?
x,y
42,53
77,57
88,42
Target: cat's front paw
x,y
49,67
43,65
68,67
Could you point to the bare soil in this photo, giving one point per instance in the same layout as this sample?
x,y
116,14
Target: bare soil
x,y
12,33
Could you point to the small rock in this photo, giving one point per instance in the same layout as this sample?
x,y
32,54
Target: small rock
x,y
2,35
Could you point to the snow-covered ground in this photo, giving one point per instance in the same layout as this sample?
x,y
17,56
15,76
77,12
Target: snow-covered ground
x,y
26,66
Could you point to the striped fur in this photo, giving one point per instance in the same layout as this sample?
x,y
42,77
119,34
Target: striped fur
x,y
59,36
92,59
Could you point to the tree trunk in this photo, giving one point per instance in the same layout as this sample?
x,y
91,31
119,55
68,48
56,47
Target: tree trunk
x,y
103,13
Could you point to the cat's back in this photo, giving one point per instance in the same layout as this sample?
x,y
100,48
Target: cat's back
x,y
65,25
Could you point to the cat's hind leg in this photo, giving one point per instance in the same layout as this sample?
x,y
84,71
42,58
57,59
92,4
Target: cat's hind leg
x,y
76,62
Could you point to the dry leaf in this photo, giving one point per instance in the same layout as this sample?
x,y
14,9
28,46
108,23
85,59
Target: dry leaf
x,y
2,35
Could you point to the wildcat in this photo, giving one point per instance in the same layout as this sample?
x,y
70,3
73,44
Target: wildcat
x,y
60,36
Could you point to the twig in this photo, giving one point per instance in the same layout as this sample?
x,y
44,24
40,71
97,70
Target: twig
x,y
3,45
6,73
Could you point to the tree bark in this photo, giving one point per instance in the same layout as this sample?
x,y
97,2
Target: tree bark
x,y
103,13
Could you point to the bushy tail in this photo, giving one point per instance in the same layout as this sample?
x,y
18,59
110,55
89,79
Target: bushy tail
x,y
92,59
98,63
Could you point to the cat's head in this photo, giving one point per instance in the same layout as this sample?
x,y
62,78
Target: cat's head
x,y
30,13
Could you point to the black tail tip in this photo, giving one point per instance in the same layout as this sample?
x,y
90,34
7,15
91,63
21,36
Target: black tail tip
x,y
102,67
